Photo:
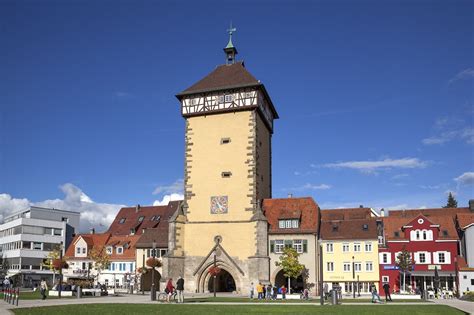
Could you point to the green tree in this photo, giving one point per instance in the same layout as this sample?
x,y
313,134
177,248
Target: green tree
x,y
290,265
452,202
405,264
100,258
48,262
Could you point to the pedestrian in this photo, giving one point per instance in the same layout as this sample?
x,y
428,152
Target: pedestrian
x,y
275,292
251,290
305,294
375,295
386,290
326,291
180,289
43,289
6,283
283,292
260,291
269,291
169,289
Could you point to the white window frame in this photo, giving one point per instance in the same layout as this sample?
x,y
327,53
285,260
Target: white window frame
x,y
346,267
330,266
387,256
346,247
329,248
357,248
298,246
295,223
119,250
367,264
385,279
279,246
229,98
369,245
357,266
281,224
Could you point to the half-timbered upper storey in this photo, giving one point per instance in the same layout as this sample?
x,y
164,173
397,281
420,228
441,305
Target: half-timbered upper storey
x,y
228,88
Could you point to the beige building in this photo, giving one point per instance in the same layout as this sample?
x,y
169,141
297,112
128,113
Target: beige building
x,y
294,222
229,124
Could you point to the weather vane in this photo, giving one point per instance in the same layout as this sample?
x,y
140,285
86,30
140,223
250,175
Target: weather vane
x,y
231,30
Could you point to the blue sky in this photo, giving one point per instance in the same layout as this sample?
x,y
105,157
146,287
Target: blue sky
x,y
375,98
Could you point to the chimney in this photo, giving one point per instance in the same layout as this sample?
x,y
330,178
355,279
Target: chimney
x,y
361,206
137,208
382,212
290,195
92,231
471,205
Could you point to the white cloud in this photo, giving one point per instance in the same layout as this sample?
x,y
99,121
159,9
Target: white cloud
x,y
167,198
97,215
464,134
175,188
386,164
309,186
464,74
466,178
400,176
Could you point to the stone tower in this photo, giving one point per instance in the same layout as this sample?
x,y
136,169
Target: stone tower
x,y
229,124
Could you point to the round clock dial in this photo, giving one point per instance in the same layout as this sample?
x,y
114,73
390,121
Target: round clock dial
x,y
219,204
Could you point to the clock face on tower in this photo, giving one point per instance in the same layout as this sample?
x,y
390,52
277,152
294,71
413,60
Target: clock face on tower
x,y
219,204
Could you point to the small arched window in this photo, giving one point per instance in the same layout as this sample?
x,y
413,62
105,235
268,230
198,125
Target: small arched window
x,y
424,235
417,235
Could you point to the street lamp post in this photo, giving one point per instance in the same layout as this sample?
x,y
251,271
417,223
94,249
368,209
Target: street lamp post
x,y
60,269
215,265
153,292
142,274
353,278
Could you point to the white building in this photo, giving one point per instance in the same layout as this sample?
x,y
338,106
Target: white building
x,y
466,271
28,236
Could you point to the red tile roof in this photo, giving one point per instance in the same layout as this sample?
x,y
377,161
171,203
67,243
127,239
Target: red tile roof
x,y
395,224
159,214
410,213
346,214
224,77
288,208
127,242
92,240
159,235
465,220
353,229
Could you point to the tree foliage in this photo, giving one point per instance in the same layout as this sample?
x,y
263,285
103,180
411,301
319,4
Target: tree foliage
x,y
49,261
100,258
153,262
452,202
404,261
289,263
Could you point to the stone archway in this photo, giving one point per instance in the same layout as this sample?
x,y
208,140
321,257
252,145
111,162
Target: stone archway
x,y
228,279
279,279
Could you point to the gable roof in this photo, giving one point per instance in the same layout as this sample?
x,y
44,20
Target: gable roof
x,y
92,241
349,229
223,77
160,215
396,224
346,214
158,234
305,209
465,220
410,213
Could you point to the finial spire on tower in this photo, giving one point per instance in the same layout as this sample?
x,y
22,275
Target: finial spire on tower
x,y
230,50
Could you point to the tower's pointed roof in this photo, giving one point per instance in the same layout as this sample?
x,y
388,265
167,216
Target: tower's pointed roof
x,y
223,77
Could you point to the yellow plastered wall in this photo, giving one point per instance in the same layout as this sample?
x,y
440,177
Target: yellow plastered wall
x,y
238,239
209,158
338,257
263,160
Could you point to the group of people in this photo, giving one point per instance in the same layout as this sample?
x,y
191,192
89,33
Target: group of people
x,y
268,292
170,289
376,297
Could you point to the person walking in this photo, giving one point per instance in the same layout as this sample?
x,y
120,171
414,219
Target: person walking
x,y
386,290
375,295
275,292
269,291
260,291
43,289
169,289
283,292
251,290
180,289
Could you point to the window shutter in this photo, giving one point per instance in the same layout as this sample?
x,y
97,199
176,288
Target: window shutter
x,y
305,246
288,243
272,246
447,257
428,257
435,257
417,257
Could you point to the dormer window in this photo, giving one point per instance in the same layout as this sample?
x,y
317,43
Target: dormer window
x,y
120,250
335,227
288,224
132,231
445,232
365,227
396,233
122,221
109,250
140,219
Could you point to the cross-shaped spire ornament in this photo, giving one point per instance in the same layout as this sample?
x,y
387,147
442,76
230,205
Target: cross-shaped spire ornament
x,y
230,50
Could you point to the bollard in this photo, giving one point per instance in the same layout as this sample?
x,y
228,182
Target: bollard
x,y
78,293
334,297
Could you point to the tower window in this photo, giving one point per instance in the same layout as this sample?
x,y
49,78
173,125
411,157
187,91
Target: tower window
x,y
225,140
226,174
221,99
229,98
